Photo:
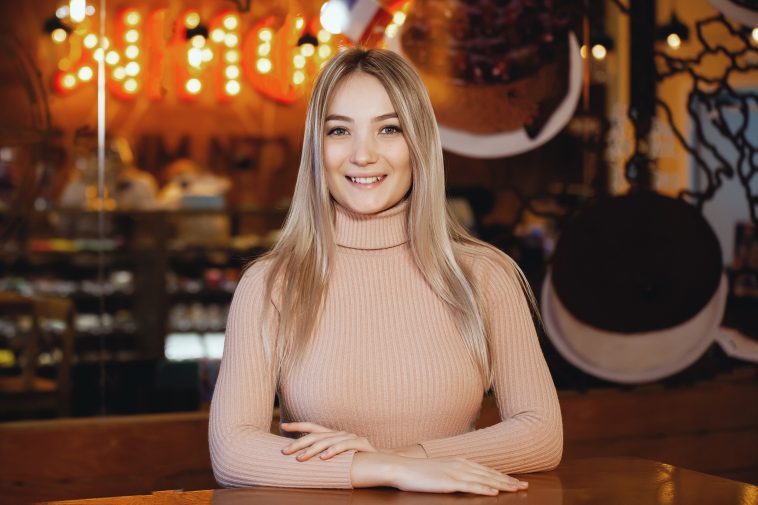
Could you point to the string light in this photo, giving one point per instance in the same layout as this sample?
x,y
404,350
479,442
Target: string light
x,y
193,86
90,41
207,54
232,72
132,52
230,22
198,41
231,40
324,51
398,18
232,88
754,34
132,68
674,41
299,23
232,56
62,12
119,73
307,50
324,36
130,86
583,51
195,57
77,10
264,49
263,65
68,81
265,35
298,77
85,74
335,16
59,35
599,52
299,61
192,20
132,18
112,58
217,35
131,36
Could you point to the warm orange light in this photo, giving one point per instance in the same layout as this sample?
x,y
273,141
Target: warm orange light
x,y
85,74
192,20
131,36
266,35
298,77
218,35
119,73
132,68
264,49
263,65
324,36
194,86
298,60
195,57
132,18
90,41
198,41
130,86
98,54
59,35
231,40
132,52
232,56
68,81
398,18
230,22
324,51
307,50
232,72
232,88
207,54
112,58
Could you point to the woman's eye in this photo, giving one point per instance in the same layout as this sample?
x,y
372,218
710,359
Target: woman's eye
x,y
339,131
391,129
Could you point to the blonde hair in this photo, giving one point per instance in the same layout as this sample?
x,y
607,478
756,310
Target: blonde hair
x,y
300,260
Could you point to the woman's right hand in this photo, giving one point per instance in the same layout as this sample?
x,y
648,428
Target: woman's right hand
x,y
430,475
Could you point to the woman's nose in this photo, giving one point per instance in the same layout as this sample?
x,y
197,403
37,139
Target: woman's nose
x,y
364,150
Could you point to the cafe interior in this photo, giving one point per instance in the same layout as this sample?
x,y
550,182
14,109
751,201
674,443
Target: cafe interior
x,y
149,151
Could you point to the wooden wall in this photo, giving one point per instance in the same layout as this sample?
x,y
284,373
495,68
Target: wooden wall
x,y
711,427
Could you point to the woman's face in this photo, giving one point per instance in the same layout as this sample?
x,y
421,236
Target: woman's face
x,y
366,157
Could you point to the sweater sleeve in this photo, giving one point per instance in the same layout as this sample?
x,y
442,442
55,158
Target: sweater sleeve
x,y
243,451
529,436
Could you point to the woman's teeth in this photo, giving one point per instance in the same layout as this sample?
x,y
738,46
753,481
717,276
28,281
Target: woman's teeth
x,y
366,180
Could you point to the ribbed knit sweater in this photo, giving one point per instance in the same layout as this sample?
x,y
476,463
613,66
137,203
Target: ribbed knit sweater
x,y
387,363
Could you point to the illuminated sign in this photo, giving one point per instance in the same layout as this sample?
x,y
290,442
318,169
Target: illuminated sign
x,y
275,57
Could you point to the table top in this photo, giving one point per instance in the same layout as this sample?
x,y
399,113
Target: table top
x,y
587,481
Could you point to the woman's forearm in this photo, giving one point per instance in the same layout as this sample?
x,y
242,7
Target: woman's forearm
x,y
371,469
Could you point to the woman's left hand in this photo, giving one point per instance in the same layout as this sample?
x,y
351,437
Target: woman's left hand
x,y
324,441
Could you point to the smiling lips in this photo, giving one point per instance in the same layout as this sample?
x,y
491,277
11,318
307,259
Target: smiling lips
x,y
366,182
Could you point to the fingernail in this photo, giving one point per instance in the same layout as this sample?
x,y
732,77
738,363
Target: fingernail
x,y
523,484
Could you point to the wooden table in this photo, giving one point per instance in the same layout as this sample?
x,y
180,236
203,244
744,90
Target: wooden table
x,y
590,481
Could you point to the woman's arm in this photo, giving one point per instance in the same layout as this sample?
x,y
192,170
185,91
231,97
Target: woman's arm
x,y
530,436
243,452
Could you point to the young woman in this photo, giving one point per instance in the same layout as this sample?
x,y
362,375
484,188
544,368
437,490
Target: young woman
x,y
377,319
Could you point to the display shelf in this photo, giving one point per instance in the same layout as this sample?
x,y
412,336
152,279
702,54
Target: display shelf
x,y
147,264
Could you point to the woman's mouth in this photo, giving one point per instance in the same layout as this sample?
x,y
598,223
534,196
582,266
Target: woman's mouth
x,y
366,182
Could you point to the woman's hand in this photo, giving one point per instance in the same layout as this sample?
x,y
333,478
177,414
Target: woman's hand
x,y
324,441
430,475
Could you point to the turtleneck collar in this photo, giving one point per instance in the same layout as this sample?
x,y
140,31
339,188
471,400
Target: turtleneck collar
x,y
372,231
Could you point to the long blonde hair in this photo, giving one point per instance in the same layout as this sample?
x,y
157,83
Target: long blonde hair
x,y
300,261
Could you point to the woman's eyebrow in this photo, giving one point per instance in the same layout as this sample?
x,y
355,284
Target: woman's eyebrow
x,y
338,117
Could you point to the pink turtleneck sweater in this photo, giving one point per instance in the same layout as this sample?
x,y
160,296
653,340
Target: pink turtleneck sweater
x,y
387,363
